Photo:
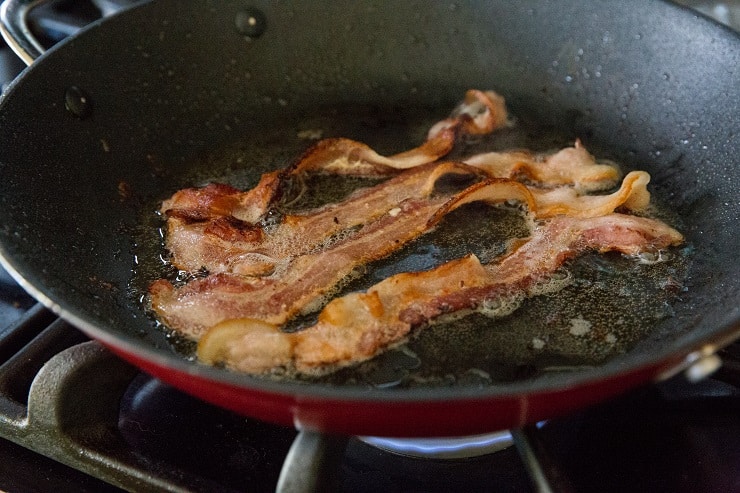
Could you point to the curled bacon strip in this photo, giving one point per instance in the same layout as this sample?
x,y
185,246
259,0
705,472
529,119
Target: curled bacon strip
x,y
219,200
632,194
222,242
357,326
480,113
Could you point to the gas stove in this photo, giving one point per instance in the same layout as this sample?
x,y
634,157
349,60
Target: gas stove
x,y
75,418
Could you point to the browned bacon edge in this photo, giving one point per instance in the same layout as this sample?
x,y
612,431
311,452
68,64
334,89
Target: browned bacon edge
x,y
355,327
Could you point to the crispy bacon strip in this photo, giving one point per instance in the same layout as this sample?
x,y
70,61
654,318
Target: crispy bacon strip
x,y
480,113
224,243
357,326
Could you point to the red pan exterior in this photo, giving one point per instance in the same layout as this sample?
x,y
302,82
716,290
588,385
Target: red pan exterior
x,y
386,418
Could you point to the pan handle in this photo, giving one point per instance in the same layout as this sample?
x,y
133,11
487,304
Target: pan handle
x,y
14,24
15,31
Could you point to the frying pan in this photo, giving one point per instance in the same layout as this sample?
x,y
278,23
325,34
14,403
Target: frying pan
x,y
160,96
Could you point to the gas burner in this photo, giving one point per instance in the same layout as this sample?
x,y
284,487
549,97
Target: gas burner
x,y
444,447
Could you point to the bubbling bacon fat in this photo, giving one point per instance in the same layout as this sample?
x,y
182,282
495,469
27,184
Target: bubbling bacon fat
x,y
262,273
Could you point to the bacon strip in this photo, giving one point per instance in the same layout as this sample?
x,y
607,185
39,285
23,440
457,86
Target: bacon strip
x,y
224,243
480,113
357,326
632,195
